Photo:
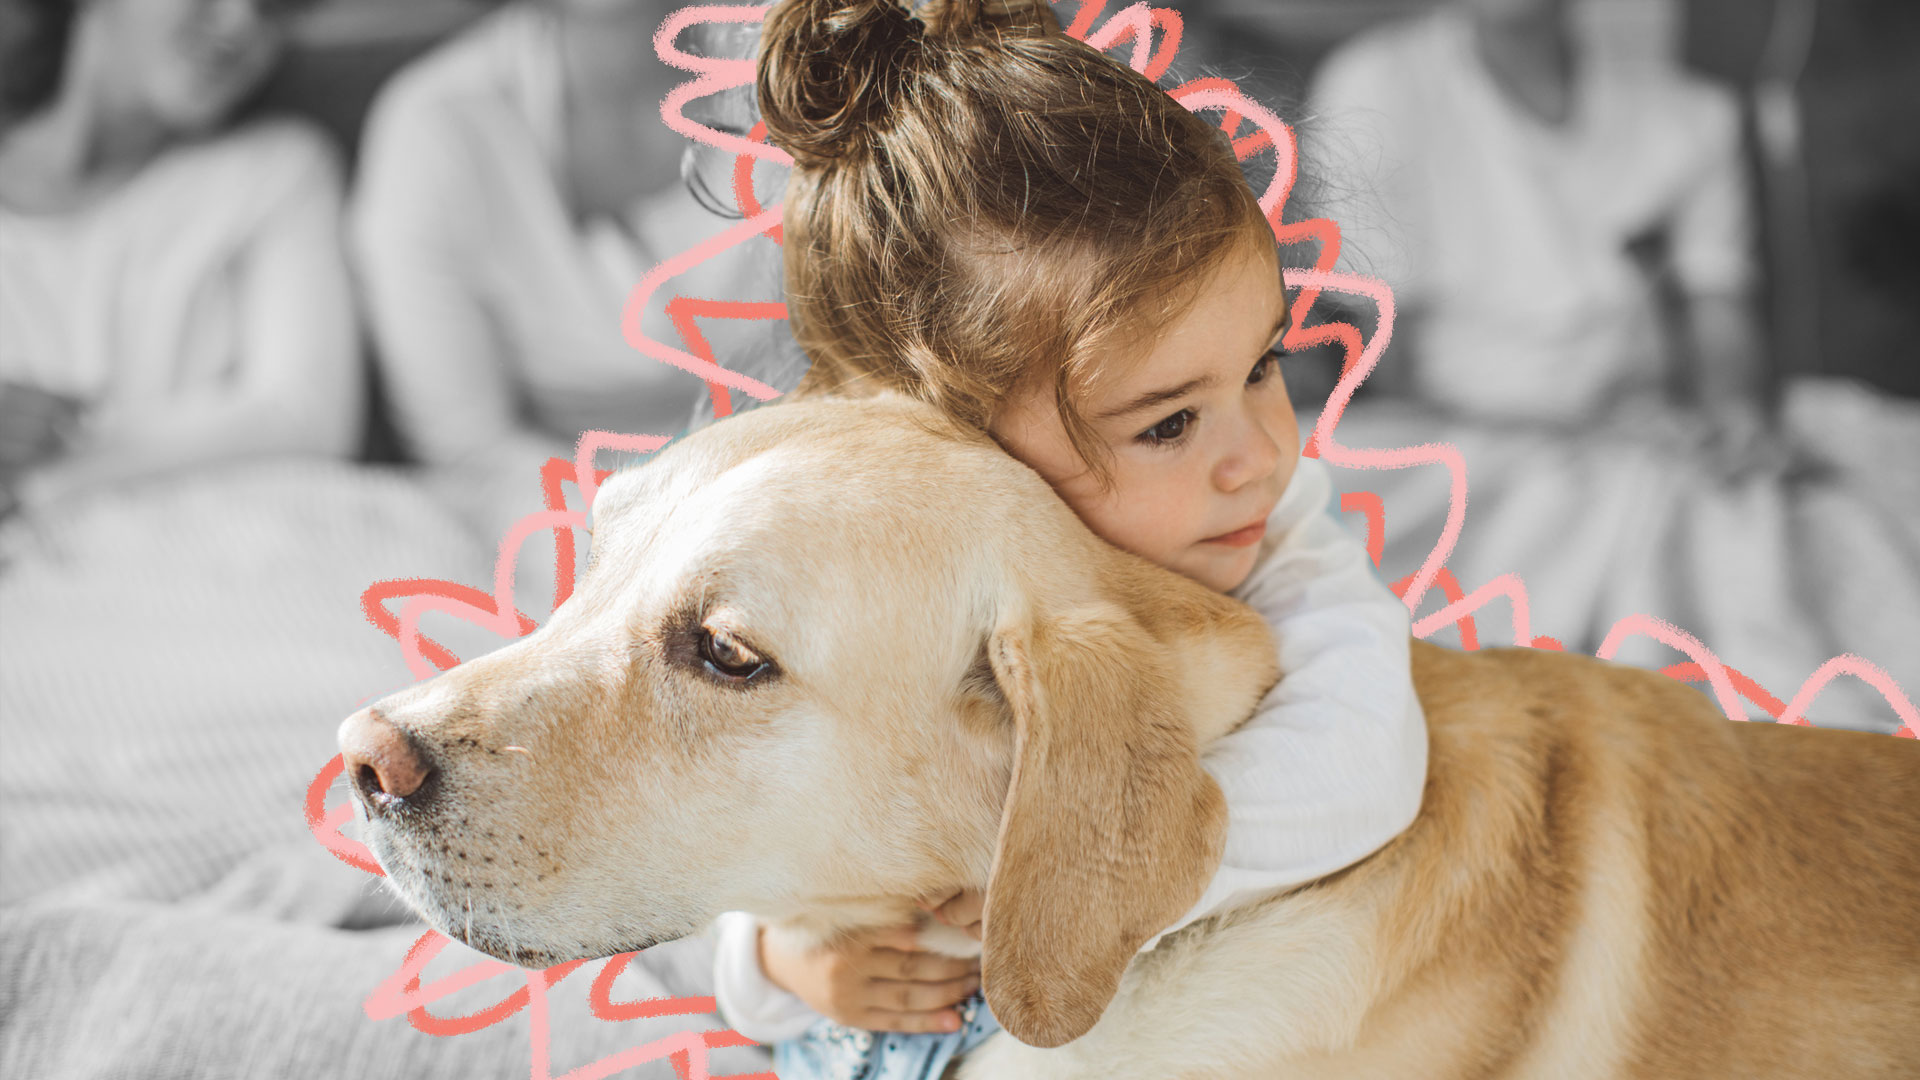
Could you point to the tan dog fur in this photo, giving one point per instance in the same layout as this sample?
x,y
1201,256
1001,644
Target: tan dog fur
x,y
1607,879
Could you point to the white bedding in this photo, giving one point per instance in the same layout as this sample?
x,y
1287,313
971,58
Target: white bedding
x,y
176,660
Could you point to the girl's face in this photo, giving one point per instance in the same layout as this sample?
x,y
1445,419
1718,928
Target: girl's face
x,y
1202,435
188,62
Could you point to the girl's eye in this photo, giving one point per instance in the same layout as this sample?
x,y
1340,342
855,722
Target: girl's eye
x,y
1268,363
1168,431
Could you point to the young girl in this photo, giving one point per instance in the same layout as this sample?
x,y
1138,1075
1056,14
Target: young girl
x,y
996,218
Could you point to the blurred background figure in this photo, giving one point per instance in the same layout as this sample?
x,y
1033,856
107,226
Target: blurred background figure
x,y
1564,214
172,289
1527,186
515,185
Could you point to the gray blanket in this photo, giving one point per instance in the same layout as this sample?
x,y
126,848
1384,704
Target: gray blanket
x,y
173,664
164,992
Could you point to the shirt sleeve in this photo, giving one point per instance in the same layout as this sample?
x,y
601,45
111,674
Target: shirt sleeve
x,y
1334,762
748,1002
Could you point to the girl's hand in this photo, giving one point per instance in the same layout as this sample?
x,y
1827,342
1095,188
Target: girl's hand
x,y
962,910
880,980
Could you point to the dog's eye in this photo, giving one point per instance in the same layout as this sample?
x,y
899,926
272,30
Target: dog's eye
x,y
726,657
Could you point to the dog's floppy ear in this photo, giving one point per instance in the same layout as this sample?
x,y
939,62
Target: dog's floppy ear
x,y
1111,830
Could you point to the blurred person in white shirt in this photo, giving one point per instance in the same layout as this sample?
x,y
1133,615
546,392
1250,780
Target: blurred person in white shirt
x,y
172,289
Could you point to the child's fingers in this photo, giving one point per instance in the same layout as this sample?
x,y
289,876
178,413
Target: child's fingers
x,y
900,996
912,1023
914,965
964,909
902,938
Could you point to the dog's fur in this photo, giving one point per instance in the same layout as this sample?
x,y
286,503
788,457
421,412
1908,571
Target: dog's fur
x,y
1606,879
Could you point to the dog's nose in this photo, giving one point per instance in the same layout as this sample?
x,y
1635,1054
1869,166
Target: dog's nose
x,y
384,764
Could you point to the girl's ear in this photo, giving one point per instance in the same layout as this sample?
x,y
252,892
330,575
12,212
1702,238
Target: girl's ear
x,y
1110,830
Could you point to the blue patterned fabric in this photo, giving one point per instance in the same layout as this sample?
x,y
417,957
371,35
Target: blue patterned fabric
x,y
830,1051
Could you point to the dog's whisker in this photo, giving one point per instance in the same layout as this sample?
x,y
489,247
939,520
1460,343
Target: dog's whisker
x,y
519,750
506,929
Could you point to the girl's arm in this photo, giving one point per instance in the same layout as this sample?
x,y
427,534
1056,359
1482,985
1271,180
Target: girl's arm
x,y
298,386
1334,762
749,1002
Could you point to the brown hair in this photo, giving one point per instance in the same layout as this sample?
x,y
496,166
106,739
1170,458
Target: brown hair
x,y
979,202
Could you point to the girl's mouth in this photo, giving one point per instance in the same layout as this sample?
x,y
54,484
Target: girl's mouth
x,y
1240,537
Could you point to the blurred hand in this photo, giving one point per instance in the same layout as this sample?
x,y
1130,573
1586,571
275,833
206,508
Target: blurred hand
x,y
880,980
962,910
35,425
1742,442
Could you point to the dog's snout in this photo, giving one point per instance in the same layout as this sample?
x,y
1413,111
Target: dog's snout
x,y
384,763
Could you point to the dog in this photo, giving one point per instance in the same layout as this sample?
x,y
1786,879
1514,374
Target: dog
x,y
829,655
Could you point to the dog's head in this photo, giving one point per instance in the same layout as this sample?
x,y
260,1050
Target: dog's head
x,y
827,656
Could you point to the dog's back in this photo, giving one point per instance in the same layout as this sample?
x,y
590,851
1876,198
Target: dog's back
x,y
1607,880
1678,895
1786,888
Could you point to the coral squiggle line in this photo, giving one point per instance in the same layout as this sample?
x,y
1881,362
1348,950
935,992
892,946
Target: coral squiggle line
x,y
1137,22
1668,634
1864,670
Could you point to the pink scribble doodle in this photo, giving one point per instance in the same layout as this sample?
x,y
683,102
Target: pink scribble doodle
x,y
402,993
1137,22
714,76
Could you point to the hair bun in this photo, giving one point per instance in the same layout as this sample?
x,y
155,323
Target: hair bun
x,y
830,69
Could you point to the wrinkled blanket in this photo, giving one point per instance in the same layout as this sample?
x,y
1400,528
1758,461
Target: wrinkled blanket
x,y
176,661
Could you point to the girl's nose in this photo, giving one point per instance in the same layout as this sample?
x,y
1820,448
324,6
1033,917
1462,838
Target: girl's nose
x,y
1252,457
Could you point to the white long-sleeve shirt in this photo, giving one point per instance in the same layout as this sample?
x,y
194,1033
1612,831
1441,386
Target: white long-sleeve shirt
x,y
496,310
1329,768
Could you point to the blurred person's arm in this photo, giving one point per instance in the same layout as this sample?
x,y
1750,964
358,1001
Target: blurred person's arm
x,y
297,385
415,225
1713,255
1724,342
